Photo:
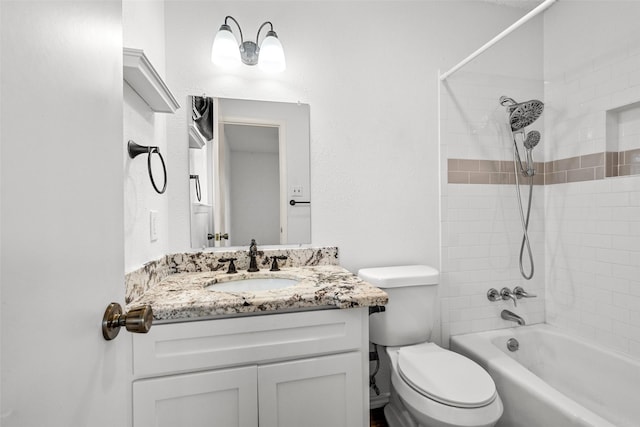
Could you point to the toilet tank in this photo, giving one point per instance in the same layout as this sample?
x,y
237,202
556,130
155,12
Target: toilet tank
x,y
409,315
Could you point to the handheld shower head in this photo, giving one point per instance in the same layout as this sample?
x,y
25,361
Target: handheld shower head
x,y
524,113
532,139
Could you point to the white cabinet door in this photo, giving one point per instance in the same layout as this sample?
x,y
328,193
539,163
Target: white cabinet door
x,y
222,398
317,392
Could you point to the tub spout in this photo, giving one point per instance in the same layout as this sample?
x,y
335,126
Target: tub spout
x,y
510,315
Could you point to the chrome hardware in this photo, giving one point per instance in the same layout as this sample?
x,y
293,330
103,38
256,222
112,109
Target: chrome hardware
x,y
274,262
510,315
137,320
506,294
493,295
513,344
253,252
232,266
521,293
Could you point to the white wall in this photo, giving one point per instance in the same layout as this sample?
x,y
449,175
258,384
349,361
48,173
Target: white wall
x,y
143,23
592,64
373,97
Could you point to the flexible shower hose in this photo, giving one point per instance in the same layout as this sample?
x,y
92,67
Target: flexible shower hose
x,y
525,222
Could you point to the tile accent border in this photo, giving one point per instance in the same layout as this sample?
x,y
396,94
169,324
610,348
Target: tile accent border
x,y
623,163
573,169
463,171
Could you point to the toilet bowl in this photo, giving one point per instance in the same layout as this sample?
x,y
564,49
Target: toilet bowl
x,y
439,388
430,386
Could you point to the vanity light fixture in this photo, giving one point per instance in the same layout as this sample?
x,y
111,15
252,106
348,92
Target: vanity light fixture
x,y
226,51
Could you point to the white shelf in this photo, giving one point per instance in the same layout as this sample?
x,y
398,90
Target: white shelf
x,y
196,140
145,80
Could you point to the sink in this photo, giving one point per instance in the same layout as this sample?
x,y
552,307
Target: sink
x,y
251,285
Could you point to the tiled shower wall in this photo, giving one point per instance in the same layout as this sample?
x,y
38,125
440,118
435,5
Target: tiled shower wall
x,y
592,76
585,228
481,229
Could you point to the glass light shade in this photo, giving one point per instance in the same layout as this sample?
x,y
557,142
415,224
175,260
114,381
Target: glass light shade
x,y
271,55
225,51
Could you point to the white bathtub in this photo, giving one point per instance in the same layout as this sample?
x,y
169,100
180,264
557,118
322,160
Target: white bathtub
x,y
555,379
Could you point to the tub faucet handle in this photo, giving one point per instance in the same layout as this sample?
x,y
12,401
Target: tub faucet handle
x,y
521,293
493,295
506,294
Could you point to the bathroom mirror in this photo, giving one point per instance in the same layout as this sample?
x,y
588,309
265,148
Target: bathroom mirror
x,y
251,179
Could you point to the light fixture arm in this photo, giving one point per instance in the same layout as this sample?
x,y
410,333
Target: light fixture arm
x,y
237,25
260,29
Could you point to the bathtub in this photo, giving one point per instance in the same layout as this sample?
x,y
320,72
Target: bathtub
x,y
555,379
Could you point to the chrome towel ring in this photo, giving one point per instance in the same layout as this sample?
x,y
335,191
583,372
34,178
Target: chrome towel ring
x,y
135,150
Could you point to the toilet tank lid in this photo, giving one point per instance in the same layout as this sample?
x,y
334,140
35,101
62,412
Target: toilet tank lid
x,y
402,275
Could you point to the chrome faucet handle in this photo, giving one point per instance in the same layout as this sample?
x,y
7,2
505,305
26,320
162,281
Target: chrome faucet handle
x,y
521,293
506,294
493,295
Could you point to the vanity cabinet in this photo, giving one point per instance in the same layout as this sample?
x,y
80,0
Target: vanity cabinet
x,y
280,370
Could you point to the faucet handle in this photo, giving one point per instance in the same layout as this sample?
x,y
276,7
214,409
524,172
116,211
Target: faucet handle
x,y
493,295
232,266
506,294
274,262
521,293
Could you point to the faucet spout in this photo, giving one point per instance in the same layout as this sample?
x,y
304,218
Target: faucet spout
x,y
253,252
510,315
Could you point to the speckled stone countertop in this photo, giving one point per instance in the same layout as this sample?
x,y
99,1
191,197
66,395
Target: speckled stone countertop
x,y
191,295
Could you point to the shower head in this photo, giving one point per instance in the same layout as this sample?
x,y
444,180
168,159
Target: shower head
x,y
524,113
532,139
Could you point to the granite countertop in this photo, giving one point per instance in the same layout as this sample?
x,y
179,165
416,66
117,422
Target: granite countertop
x,y
190,296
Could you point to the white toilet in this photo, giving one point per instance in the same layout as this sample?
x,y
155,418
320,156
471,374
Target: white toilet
x,y
430,386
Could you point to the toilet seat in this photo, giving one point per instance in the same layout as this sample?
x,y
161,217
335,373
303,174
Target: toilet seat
x,y
445,377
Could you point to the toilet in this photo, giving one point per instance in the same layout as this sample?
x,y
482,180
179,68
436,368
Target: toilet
x,y
430,386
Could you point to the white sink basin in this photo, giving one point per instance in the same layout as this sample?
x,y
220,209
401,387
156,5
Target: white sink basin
x,y
251,285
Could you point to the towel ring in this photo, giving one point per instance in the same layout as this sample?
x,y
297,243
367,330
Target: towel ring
x,y
135,150
198,193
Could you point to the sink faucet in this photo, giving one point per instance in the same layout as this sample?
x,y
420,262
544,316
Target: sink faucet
x,y
510,315
253,252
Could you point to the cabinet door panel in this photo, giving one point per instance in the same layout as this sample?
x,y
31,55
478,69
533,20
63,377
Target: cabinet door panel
x,y
224,398
317,392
